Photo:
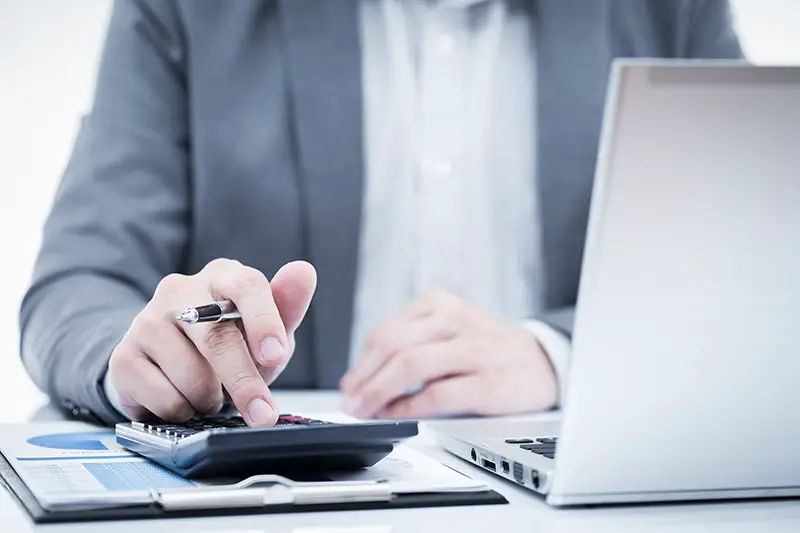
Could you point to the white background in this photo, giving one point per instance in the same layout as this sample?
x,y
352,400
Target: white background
x,y
48,56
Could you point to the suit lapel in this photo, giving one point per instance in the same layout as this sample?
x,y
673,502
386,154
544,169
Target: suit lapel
x,y
324,72
573,56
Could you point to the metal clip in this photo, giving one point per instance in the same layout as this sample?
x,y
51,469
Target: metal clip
x,y
280,491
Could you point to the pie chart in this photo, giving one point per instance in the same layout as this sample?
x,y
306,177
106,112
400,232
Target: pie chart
x,y
71,441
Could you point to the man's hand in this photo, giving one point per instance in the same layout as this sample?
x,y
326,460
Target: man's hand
x,y
173,371
466,361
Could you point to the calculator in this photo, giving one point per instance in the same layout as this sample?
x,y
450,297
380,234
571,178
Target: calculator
x,y
224,446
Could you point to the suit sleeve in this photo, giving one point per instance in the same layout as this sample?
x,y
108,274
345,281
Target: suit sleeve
x,y
711,33
119,221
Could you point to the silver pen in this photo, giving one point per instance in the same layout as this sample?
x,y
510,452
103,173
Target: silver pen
x,y
213,312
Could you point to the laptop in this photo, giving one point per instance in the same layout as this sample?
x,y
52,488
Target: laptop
x,y
685,374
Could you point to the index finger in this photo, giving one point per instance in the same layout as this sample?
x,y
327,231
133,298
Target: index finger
x,y
223,345
250,291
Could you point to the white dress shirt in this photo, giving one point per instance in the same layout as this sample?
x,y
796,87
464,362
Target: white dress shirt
x,y
449,136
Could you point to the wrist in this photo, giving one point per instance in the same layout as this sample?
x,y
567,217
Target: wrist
x,y
557,349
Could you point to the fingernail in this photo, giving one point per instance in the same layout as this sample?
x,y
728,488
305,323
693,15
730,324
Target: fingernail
x,y
259,411
271,350
351,404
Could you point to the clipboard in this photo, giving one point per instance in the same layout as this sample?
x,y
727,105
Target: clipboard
x,y
255,495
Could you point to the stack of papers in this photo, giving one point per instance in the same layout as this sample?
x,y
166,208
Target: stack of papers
x,y
75,464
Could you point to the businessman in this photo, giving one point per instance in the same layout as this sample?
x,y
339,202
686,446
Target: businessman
x,y
433,161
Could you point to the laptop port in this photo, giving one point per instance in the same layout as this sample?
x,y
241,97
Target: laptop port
x,y
535,479
489,464
505,466
519,475
473,455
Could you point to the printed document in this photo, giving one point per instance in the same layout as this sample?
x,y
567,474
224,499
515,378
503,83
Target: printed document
x,y
63,462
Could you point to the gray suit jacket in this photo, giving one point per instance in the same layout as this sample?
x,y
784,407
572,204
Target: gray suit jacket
x,y
234,129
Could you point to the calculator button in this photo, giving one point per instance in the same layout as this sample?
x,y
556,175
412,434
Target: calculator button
x,y
220,424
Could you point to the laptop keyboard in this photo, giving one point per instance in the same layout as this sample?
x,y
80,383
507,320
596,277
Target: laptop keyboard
x,y
544,446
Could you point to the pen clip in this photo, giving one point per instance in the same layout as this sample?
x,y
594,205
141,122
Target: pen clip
x,y
278,491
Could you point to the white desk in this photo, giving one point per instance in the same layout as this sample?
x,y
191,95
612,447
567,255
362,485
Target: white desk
x,y
525,512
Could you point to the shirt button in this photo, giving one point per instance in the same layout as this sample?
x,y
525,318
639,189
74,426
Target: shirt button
x,y
444,44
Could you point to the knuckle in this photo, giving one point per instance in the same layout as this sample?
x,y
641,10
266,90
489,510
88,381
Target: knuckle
x,y
428,298
240,281
249,278
220,265
386,339
214,267
444,326
371,395
409,366
175,407
221,338
241,380
146,322
374,341
219,262
439,296
459,311
170,283
204,389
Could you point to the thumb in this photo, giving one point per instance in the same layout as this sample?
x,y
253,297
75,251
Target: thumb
x,y
292,288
